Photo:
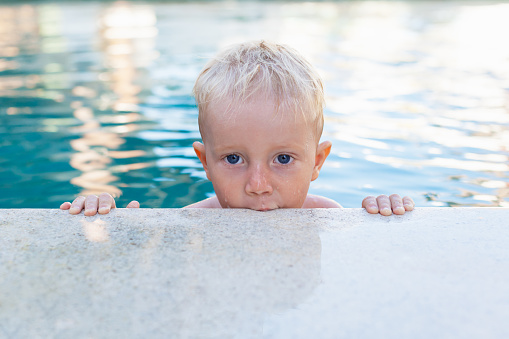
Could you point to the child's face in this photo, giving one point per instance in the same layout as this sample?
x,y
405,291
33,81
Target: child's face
x,y
258,159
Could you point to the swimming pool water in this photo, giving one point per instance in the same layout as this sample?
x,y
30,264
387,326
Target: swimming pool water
x,y
96,97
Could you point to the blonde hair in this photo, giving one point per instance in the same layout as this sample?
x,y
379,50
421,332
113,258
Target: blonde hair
x,y
276,70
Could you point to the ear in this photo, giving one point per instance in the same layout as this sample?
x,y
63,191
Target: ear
x,y
322,152
199,149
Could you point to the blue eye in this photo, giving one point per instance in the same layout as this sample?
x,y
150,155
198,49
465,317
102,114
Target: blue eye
x,y
233,159
284,159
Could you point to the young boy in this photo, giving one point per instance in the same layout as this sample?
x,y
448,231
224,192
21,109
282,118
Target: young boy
x,y
261,118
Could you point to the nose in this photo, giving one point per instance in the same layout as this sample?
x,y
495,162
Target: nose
x,y
258,181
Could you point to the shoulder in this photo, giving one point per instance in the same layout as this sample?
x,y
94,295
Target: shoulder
x,y
316,201
207,203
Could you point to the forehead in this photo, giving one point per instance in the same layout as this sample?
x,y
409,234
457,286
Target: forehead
x,y
257,109
256,129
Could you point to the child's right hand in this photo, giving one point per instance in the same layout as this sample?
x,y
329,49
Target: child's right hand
x,y
93,204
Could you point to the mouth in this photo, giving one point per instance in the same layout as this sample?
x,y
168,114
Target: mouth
x,y
264,209
260,205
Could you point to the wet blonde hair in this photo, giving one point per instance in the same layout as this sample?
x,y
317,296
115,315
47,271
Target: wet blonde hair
x,y
275,70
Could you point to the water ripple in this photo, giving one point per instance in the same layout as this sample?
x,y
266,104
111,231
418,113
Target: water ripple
x,y
96,97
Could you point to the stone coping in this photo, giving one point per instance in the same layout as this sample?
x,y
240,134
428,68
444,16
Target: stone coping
x,y
196,273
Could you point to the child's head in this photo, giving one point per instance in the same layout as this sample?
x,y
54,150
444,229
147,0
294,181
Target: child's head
x,y
260,68
261,118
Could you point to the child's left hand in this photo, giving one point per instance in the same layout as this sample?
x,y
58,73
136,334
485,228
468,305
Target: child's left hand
x,y
387,205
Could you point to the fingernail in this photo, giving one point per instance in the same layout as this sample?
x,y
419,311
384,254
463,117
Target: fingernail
x,y
103,209
399,209
385,210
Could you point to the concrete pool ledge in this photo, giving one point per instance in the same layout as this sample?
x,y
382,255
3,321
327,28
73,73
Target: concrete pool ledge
x,y
188,273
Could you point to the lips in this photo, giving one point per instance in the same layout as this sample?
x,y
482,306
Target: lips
x,y
265,207
256,204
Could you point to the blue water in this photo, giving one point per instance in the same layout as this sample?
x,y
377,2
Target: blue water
x,y
96,97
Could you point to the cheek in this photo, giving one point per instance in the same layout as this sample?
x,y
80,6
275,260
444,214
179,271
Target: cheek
x,y
299,176
223,195
294,189
226,187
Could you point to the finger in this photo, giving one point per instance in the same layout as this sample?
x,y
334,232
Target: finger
x,y
91,205
408,203
397,204
65,206
384,205
133,204
77,205
106,203
370,204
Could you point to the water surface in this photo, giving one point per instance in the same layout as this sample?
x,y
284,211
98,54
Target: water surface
x,y
96,97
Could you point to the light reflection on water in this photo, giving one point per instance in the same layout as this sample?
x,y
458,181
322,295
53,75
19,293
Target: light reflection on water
x,y
96,97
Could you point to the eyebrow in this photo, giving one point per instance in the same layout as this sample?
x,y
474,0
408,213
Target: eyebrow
x,y
283,147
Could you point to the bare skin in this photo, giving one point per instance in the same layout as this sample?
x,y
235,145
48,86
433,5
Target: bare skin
x,y
93,204
382,204
259,163
386,205
312,201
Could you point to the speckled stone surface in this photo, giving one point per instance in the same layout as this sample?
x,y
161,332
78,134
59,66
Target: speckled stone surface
x,y
168,273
